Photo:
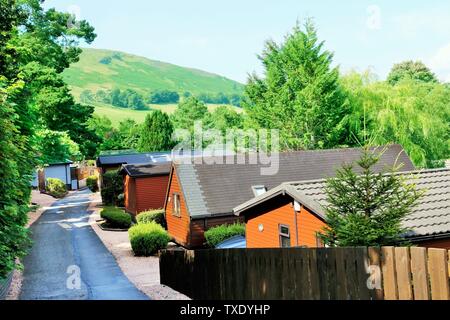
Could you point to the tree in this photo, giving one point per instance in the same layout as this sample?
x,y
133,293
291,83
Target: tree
x,y
410,70
156,133
300,94
189,111
130,132
56,147
224,118
366,208
413,114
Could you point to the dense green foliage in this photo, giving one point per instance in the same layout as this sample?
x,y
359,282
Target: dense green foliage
x,y
56,187
35,47
116,218
366,209
188,112
112,187
216,235
156,133
157,216
410,70
414,114
147,238
300,95
92,183
119,98
163,97
56,147
126,136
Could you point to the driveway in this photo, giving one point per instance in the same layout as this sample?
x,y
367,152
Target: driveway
x,y
68,261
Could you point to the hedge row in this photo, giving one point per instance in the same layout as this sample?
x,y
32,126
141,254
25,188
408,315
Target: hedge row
x,y
116,218
216,235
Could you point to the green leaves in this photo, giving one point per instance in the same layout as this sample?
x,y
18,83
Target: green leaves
x,y
156,133
366,208
300,94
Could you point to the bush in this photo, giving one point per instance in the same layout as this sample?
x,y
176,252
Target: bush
x,y
147,238
92,183
116,218
216,235
56,187
112,187
153,215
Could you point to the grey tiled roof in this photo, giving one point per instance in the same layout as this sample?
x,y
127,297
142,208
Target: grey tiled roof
x,y
221,187
191,189
431,215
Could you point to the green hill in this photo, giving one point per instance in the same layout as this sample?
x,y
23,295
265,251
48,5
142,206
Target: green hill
x,y
105,69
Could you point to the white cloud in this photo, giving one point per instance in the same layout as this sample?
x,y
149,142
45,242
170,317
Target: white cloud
x,y
440,63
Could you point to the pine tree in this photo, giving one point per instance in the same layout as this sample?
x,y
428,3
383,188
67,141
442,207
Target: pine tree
x,y
366,208
300,94
156,133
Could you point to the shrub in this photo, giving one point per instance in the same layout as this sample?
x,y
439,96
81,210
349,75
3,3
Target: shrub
x,y
153,215
116,218
56,187
112,187
92,183
216,235
147,238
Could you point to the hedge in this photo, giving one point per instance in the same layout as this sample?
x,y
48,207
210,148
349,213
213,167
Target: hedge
x,y
157,216
92,183
147,238
116,218
56,187
216,235
112,188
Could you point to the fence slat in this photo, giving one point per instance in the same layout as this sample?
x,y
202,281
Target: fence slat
x,y
313,275
376,274
403,270
419,273
341,274
350,272
389,276
438,271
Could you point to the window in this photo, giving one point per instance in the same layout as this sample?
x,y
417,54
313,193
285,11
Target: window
x,y
285,236
259,190
176,209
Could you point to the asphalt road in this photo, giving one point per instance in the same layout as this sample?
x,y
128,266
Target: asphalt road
x,y
68,261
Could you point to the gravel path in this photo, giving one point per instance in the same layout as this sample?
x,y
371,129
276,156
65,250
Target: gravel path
x,y
143,272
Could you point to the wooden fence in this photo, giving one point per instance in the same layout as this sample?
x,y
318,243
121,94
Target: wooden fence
x,y
391,273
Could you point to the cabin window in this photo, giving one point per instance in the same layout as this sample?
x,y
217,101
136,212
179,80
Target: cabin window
x,y
259,190
285,236
176,210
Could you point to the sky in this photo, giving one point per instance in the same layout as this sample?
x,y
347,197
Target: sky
x,y
225,37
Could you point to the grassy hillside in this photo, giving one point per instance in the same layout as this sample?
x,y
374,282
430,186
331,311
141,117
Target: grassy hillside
x,y
105,69
117,115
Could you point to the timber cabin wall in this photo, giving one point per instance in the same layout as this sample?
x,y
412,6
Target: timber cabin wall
x,y
178,227
276,212
150,193
129,185
199,226
436,243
